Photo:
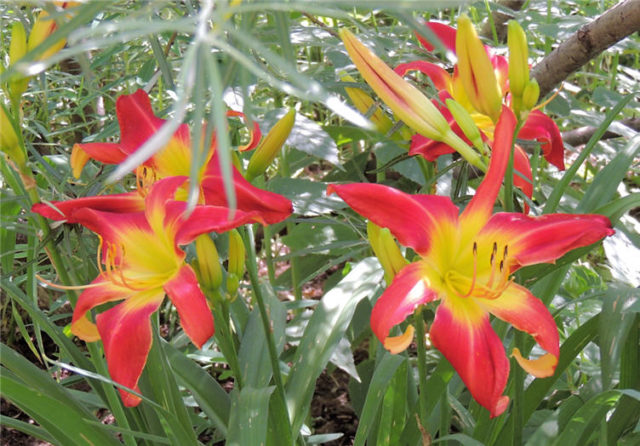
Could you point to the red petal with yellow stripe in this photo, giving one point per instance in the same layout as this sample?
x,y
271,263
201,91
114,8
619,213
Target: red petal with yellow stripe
x,y
413,221
409,288
462,332
545,238
517,306
195,317
126,335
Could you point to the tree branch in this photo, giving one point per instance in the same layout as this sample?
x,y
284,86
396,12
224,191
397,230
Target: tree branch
x,y
500,20
589,41
581,135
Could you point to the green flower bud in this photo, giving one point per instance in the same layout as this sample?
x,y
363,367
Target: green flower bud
x,y
269,147
466,123
208,263
530,95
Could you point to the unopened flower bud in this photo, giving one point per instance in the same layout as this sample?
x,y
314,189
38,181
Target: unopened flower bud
x,y
18,46
208,263
43,27
476,71
406,101
9,141
386,250
364,103
518,58
235,266
17,49
530,95
269,147
466,123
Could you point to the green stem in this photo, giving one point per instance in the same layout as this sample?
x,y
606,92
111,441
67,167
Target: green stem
x,y
509,198
271,270
252,269
422,365
428,172
224,336
295,275
472,157
518,380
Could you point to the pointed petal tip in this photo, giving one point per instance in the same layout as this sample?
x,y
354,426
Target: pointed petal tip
x,y
397,344
500,406
542,367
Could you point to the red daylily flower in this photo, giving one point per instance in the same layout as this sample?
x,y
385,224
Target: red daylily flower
x,y
138,124
466,261
538,126
143,262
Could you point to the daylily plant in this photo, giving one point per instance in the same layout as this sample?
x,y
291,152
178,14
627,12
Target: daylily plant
x,y
466,261
477,80
137,124
140,261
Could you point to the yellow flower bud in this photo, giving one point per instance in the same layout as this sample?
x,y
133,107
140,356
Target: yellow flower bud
x,y
466,123
9,141
518,58
364,102
406,101
208,263
530,95
18,46
476,71
386,250
236,261
17,49
269,147
43,27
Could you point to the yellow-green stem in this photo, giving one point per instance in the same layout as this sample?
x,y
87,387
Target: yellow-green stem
x,y
252,269
422,365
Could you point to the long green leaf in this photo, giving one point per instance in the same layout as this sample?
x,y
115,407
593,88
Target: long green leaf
x,y
211,397
606,182
554,199
324,330
249,416
380,381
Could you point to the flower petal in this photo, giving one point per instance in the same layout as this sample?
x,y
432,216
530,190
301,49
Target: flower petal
x,y
527,313
439,76
136,119
543,239
406,101
105,152
481,205
445,33
271,207
63,210
195,317
462,332
204,219
100,292
126,334
413,219
522,176
409,288
542,128
255,135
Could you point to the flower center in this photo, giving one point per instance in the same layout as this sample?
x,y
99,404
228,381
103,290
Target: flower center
x,y
484,283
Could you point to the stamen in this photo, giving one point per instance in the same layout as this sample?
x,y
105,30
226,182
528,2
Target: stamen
x,y
553,96
67,287
475,271
493,252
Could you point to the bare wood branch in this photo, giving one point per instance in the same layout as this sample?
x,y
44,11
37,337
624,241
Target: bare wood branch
x,y
581,135
589,41
500,20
